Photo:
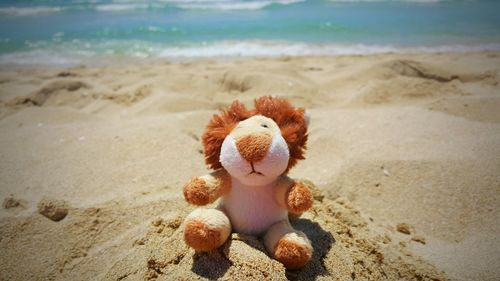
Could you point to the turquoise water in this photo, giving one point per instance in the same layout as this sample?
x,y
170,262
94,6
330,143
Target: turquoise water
x,y
64,31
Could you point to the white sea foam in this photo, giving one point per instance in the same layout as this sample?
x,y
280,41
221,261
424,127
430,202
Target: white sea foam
x,y
39,57
29,11
409,1
216,5
227,5
120,7
263,49
193,1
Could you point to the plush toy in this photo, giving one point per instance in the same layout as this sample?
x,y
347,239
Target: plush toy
x,y
251,151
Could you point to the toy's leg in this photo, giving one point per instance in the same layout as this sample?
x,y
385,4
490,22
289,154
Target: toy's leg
x,y
206,229
289,246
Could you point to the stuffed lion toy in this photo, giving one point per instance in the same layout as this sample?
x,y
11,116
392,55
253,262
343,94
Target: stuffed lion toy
x,y
251,152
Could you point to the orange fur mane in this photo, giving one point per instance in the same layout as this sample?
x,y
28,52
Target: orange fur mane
x,y
291,121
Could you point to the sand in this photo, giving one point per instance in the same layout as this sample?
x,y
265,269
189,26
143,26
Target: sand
x,y
403,157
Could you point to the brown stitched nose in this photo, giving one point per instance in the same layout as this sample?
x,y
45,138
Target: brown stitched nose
x,y
253,147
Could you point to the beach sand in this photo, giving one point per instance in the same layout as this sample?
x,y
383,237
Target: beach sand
x,y
403,157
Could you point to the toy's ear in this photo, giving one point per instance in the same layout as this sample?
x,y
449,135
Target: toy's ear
x,y
219,128
292,122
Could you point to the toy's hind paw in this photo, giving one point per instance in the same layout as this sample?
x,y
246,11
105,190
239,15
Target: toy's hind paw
x,y
292,251
206,229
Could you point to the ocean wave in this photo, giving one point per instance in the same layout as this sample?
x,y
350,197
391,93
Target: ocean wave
x,y
120,7
29,11
39,57
135,5
409,1
91,53
128,6
216,5
230,5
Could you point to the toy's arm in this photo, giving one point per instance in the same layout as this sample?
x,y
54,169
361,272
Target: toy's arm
x,y
206,189
293,195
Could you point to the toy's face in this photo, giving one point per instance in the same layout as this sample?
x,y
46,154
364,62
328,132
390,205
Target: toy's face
x,y
254,152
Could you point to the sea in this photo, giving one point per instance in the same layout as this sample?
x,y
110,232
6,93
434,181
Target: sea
x,y
76,31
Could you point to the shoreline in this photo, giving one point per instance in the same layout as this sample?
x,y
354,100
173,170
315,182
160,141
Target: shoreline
x,y
222,51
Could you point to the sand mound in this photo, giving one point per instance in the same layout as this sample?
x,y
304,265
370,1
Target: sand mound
x,y
120,241
254,83
79,94
405,82
430,71
344,248
415,69
404,90
56,92
128,97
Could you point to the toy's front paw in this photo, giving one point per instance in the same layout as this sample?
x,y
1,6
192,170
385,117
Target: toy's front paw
x,y
197,192
299,198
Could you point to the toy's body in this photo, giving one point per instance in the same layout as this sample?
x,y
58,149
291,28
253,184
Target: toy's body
x,y
251,152
252,210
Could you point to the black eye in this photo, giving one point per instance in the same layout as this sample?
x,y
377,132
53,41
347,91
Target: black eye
x,y
263,125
